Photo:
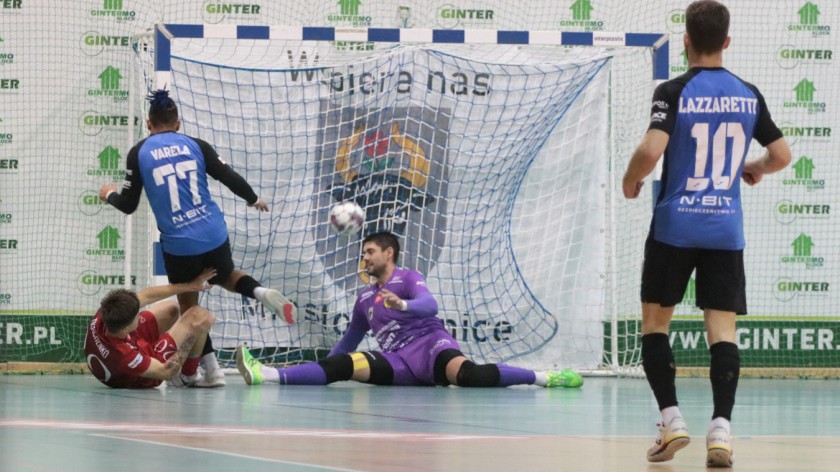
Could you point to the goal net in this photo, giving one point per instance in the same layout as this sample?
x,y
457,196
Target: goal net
x,y
491,162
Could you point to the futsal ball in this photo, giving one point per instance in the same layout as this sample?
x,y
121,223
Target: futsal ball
x,y
347,218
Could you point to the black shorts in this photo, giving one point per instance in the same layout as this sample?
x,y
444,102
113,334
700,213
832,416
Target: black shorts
x,y
181,269
720,281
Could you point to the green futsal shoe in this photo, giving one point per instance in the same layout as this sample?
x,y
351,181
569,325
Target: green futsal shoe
x,y
249,366
566,378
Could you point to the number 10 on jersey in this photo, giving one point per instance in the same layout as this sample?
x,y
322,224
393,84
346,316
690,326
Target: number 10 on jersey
x,y
726,130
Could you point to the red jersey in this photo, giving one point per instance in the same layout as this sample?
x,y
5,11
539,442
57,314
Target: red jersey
x,y
117,362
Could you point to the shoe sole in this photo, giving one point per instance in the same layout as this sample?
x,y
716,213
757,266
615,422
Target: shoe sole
x,y
281,306
670,449
240,364
719,458
566,384
214,384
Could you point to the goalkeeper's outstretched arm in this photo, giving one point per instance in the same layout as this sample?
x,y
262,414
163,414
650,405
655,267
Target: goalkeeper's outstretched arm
x,y
356,331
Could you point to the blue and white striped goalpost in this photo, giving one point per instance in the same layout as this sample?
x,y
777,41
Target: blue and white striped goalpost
x,y
165,34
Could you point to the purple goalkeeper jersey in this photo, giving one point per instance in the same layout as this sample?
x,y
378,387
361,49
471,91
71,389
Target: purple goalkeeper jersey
x,y
392,328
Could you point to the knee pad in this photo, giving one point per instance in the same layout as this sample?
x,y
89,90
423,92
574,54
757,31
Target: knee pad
x,y
441,361
338,367
381,372
472,375
341,367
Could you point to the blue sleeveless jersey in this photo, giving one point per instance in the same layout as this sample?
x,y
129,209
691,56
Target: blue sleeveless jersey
x,y
711,116
174,174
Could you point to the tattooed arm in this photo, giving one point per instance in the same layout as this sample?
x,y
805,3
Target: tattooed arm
x,y
165,371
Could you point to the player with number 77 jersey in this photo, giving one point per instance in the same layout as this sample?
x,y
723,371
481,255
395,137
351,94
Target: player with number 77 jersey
x,y
172,168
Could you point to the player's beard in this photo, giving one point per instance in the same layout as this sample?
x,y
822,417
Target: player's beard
x,y
373,271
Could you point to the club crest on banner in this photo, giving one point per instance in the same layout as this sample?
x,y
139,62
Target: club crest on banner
x,y
392,163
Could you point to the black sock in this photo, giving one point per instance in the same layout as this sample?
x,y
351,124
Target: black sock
x,y
208,346
246,285
724,372
658,362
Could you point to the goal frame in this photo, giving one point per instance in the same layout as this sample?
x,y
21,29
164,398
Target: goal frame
x,y
658,43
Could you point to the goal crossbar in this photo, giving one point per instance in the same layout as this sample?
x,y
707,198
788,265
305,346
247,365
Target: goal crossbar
x,y
165,33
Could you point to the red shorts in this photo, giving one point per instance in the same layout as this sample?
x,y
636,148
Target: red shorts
x,y
163,345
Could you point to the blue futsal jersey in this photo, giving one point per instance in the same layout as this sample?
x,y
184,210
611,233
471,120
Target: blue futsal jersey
x,y
172,168
711,116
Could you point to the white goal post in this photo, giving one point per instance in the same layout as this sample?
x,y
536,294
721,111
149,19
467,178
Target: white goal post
x,y
492,154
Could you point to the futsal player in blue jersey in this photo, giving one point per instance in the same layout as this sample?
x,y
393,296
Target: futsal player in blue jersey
x,y
703,121
416,348
173,170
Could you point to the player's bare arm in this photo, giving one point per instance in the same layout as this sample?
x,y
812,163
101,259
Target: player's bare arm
x,y
165,371
199,284
644,161
776,158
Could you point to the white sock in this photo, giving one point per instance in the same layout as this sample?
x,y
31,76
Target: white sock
x,y
210,362
259,293
668,414
719,422
270,374
540,378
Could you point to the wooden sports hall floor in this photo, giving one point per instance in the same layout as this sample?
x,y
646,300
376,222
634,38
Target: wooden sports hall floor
x,y
72,423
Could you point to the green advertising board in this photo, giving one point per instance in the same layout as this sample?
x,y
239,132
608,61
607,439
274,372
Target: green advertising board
x,y
762,342
42,338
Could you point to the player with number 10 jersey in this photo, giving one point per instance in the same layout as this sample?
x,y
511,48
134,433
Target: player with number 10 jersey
x,y
710,115
702,122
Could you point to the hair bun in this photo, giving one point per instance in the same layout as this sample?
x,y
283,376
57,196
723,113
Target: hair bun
x,y
160,99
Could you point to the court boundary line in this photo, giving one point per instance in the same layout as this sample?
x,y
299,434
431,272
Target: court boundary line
x,y
225,453
146,428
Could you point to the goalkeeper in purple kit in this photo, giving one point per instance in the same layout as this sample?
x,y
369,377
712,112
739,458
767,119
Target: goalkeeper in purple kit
x,y
416,347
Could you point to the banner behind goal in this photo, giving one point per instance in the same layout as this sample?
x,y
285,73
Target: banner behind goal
x,y
487,152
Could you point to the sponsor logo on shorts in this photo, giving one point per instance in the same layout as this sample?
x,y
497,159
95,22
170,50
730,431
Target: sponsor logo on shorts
x,y
162,347
439,343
